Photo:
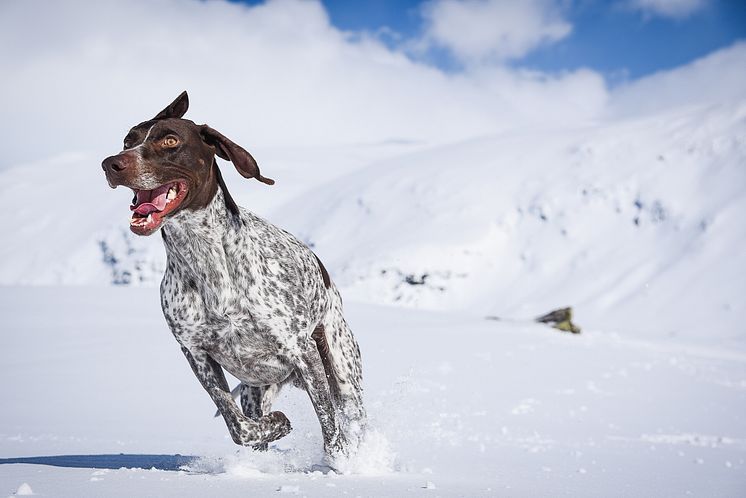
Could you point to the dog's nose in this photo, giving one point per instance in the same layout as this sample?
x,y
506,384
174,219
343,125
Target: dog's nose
x,y
114,164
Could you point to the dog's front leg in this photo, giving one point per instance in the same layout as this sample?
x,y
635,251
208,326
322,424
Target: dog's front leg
x,y
243,430
312,374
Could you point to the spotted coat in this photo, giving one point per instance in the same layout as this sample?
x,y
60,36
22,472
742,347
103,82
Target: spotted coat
x,y
244,295
239,293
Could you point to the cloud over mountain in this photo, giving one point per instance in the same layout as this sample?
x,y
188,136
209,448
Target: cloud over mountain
x,y
277,73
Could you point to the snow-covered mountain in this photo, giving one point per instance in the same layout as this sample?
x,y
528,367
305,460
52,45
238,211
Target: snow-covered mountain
x,y
627,221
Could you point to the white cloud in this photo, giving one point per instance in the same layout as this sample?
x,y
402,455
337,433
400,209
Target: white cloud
x,y
492,30
77,74
676,9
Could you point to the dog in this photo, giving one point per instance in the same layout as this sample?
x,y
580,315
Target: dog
x,y
239,293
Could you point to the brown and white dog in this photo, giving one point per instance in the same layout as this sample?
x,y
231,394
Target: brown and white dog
x,y
239,293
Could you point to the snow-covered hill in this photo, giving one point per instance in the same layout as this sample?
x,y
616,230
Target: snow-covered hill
x,y
69,228
629,221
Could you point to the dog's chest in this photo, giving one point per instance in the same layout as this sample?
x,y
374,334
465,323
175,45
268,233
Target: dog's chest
x,y
241,335
225,309
245,294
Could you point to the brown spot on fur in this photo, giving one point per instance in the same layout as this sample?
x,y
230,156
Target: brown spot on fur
x,y
324,274
319,336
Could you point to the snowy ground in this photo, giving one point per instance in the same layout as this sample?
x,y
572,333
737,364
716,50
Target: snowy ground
x,y
460,406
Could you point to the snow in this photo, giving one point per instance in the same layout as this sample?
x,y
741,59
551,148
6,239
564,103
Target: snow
x,y
473,406
627,221
24,490
635,220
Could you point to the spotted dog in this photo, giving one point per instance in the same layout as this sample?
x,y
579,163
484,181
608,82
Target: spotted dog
x,y
239,293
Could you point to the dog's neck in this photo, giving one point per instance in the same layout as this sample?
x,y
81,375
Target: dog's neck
x,y
199,241
211,222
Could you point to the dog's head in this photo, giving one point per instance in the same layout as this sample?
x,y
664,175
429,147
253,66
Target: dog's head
x,y
169,163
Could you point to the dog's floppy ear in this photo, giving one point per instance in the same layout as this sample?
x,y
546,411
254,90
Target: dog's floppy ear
x,y
175,109
230,151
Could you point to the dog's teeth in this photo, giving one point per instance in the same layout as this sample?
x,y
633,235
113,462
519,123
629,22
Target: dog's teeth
x,y
150,218
171,194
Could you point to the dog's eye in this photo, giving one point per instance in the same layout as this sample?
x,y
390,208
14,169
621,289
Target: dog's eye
x,y
170,141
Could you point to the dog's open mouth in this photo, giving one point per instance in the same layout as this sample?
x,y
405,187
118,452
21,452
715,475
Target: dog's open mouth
x,y
149,207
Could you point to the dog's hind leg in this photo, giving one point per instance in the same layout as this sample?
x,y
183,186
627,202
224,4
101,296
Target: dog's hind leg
x,y
257,401
311,372
342,362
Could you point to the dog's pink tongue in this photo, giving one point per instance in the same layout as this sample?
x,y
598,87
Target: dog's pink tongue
x,y
149,201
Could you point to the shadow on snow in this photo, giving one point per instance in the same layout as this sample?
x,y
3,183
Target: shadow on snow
x,y
160,462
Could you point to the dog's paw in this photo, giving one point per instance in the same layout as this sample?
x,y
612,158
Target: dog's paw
x,y
277,425
336,447
257,433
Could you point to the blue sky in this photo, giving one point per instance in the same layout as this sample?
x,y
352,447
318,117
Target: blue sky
x,y
614,40
612,37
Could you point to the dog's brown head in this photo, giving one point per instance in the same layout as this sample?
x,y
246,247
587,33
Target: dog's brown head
x,y
169,163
